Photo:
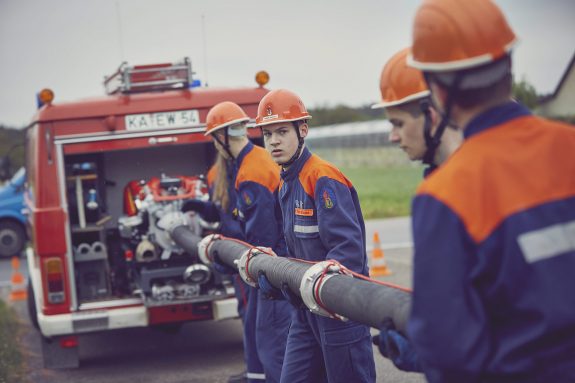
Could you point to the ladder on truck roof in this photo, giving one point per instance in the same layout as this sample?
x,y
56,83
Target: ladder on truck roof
x,y
144,78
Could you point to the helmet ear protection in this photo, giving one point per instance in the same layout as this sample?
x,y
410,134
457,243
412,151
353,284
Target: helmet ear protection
x,y
237,130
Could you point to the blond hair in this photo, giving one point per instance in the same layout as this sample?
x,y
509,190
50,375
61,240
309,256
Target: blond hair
x,y
221,183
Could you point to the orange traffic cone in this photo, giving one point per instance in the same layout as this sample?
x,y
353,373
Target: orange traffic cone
x,y
378,266
19,292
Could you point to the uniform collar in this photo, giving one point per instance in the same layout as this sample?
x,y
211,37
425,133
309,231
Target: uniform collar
x,y
495,116
296,167
243,153
428,170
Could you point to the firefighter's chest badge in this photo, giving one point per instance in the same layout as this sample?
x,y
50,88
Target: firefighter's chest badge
x,y
328,198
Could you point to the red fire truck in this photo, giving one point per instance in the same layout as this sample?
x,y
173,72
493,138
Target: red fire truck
x,y
106,177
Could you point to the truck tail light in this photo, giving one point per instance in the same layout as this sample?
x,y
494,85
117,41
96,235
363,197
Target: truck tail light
x,y
128,255
54,280
69,341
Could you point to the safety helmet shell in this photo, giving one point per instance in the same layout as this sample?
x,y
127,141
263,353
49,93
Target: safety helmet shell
x,y
223,115
453,35
280,105
399,83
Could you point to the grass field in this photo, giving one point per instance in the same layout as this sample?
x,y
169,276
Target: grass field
x,y
10,357
385,192
384,178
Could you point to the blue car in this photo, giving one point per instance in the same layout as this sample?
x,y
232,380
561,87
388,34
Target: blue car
x,y
12,218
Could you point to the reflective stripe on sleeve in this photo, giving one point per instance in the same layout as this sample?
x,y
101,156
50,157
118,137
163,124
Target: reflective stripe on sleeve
x,y
255,375
548,242
305,229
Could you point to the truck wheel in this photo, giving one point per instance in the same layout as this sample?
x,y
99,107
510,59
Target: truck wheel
x,y
12,238
32,312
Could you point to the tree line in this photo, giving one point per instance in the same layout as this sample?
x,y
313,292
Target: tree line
x,y
12,145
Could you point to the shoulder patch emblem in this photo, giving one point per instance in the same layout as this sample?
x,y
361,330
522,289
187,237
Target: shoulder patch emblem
x,y
328,198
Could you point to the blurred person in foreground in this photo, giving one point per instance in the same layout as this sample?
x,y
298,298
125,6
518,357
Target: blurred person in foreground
x,y
494,226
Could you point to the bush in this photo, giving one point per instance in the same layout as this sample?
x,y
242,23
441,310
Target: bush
x,y
10,356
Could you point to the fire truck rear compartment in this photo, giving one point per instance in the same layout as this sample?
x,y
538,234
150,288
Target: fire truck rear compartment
x,y
120,255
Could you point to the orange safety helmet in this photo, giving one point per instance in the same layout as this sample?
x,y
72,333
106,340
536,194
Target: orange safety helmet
x,y
223,115
452,35
280,105
400,84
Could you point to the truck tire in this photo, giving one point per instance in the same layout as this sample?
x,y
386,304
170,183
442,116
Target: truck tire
x,y
32,311
12,238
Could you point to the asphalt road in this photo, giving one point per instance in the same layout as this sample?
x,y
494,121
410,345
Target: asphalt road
x,y
201,352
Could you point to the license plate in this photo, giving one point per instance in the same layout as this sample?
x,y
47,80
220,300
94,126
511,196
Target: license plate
x,y
162,120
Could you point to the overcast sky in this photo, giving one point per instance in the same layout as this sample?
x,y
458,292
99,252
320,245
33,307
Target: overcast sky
x,y
329,52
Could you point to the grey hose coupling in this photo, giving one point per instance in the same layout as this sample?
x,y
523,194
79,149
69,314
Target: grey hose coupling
x,y
313,282
244,261
204,248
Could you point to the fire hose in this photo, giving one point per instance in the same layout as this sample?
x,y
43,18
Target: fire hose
x,y
327,288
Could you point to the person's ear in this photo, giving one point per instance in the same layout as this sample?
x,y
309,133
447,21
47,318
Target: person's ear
x,y
439,94
435,118
303,130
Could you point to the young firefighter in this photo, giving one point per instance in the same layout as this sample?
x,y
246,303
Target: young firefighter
x,y
405,98
321,220
494,227
253,180
222,208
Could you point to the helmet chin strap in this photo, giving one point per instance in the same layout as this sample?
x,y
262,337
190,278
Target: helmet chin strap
x,y
297,153
432,141
225,144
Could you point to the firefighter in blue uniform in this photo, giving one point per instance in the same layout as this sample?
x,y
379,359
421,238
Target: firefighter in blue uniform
x,y
321,220
494,226
405,98
221,209
254,181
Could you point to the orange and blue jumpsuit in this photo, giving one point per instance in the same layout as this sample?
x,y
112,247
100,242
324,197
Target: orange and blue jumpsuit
x,y
494,264
256,182
322,220
247,296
